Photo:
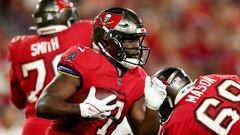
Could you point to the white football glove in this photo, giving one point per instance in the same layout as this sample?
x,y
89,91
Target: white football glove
x,y
155,93
95,108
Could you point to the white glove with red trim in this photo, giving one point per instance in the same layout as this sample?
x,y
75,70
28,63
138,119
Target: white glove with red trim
x,y
95,108
155,93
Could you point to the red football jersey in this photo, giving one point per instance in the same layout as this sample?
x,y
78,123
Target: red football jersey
x,y
212,107
34,60
95,70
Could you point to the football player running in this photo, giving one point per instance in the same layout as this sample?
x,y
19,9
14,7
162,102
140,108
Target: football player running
x,y
115,63
207,106
34,58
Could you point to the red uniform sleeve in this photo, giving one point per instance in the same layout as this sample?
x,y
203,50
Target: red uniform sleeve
x,y
67,62
79,61
17,95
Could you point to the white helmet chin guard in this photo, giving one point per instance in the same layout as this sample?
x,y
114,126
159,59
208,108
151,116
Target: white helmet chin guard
x,y
130,63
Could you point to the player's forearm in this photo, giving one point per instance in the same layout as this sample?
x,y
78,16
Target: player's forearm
x,y
51,107
150,124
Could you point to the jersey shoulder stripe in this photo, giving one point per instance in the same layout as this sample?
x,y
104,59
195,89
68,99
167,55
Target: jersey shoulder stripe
x,y
67,70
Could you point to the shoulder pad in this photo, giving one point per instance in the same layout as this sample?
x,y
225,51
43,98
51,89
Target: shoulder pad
x,y
81,57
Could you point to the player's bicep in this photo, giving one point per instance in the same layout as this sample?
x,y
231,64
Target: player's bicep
x,y
62,87
52,104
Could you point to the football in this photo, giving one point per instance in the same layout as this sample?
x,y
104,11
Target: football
x,y
101,93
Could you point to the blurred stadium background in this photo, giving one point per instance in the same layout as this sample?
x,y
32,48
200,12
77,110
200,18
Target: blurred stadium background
x,y
201,36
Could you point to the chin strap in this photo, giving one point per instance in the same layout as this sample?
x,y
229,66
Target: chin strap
x,y
51,29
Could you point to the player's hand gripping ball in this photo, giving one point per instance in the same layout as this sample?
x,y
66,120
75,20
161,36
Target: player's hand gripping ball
x,y
98,103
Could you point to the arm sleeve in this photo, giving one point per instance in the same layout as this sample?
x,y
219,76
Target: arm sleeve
x,y
67,70
67,64
17,96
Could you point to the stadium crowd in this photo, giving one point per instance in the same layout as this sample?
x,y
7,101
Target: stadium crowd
x,y
200,36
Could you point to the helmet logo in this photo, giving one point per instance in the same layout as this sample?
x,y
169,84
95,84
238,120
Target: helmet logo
x,y
63,4
104,21
108,20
